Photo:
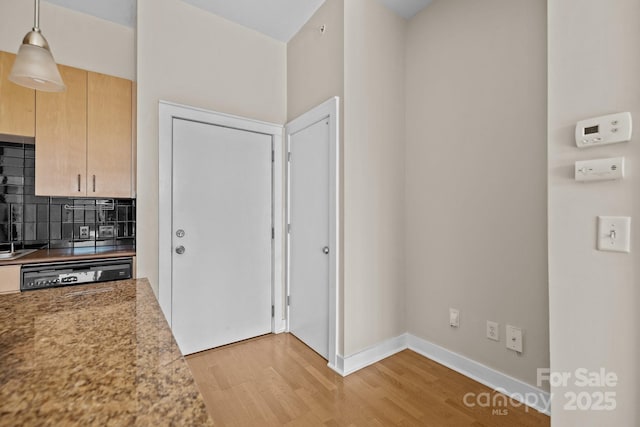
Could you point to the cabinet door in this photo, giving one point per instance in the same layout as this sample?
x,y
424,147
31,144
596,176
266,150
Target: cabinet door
x,y
17,103
109,150
9,279
61,137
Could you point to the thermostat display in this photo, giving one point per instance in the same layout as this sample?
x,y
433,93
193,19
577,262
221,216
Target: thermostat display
x,y
604,130
591,130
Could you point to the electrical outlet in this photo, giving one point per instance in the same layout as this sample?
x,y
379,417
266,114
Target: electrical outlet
x,y
454,318
106,231
84,231
493,330
514,338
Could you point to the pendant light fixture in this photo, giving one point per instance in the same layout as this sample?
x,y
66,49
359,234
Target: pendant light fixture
x,y
35,67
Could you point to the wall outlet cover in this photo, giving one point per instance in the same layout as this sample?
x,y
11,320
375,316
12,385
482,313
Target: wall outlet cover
x,y
514,338
454,318
493,330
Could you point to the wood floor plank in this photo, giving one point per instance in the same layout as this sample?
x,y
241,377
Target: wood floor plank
x,y
276,380
326,383
260,411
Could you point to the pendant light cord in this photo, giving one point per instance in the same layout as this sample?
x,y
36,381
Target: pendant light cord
x,y
36,17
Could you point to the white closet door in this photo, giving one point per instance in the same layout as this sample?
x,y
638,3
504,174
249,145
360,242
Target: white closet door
x,y
309,237
222,191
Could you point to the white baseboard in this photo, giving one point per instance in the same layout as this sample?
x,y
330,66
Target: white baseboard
x,y
514,388
339,366
371,355
517,390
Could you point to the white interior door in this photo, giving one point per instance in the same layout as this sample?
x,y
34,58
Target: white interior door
x,y
309,236
221,284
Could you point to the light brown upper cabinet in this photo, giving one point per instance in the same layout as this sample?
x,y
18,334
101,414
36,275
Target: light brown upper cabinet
x,y
61,137
84,137
17,103
109,161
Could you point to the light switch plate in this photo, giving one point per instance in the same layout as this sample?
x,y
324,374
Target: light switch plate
x,y
614,233
514,338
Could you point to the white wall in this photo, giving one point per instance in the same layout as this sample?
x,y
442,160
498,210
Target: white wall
x,y
76,39
374,142
192,57
476,229
594,69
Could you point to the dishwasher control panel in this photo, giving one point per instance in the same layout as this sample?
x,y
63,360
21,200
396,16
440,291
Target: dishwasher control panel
x,y
50,275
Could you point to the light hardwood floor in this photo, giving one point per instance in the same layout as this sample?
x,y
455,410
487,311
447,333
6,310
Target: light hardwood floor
x,y
276,380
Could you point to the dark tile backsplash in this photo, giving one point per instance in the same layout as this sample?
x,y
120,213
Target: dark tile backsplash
x,y
29,220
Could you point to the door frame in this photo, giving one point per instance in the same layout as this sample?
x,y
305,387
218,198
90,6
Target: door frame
x,y
330,110
168,112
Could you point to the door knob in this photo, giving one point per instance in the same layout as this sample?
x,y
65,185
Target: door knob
x,y
180,250
325,250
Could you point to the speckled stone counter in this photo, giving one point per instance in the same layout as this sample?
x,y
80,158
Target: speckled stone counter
x,y
93,355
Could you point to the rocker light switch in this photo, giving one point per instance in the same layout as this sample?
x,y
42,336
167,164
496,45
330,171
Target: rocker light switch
x,y
614,233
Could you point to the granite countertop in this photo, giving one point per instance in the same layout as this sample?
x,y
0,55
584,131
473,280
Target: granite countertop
x,y
93,355
71,254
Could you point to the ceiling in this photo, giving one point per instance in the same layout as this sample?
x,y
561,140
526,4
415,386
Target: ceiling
x,y
405,8
279,19
119,11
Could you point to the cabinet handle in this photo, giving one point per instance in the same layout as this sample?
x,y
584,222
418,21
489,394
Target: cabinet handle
x,y
94,183
79,178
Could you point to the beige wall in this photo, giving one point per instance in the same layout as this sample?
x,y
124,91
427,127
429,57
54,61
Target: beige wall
x,y
593,295
374,297
315,61
192,57
315,73
360,58
476,178
76,39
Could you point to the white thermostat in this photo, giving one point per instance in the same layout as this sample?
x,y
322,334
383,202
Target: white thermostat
x,y
604,130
